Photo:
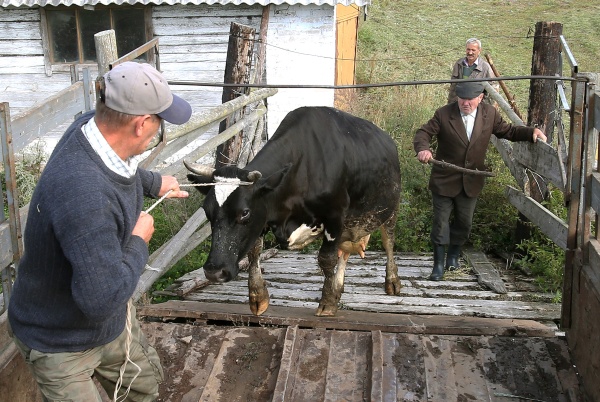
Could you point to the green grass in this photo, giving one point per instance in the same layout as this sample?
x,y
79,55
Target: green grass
x,y
419,41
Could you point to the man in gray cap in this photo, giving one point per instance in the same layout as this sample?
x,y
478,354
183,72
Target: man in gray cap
x,y
86,246
463,130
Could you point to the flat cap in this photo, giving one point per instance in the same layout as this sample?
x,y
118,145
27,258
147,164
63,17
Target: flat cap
x,y
469,89
139,89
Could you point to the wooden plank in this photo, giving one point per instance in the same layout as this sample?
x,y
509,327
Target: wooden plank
x,y
54,111
467,370
594,191
559,352
487,275
309,377
377,356
289,355
348,367
439,372
546,221
542,159
159,260
406,356
597,110
354,320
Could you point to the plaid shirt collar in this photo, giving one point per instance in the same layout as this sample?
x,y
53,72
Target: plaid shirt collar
x,y
110,158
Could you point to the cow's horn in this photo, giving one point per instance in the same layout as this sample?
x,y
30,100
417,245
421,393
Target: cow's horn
x,y
202,170
254,175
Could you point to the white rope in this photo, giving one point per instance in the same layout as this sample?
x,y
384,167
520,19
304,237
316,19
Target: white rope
x,y
129,305
241,183
127,359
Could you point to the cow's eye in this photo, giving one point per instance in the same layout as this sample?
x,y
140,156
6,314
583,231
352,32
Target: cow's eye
x,y
244,216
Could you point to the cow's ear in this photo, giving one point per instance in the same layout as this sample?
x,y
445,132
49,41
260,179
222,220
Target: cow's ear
x,y
197,179
273,181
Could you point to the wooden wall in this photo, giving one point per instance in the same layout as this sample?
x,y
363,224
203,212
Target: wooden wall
x,y
346,38
193,46
23,80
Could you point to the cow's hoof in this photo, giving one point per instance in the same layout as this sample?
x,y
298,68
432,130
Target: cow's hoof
x,y
259,303
259,307
393,287
326,310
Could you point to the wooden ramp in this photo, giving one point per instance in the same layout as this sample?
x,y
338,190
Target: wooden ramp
x,y
262,363
454,340
294,280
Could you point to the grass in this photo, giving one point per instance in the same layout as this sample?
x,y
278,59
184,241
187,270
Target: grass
x,y
410,40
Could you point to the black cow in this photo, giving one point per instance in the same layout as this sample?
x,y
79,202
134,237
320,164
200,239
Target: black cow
x,y
324,173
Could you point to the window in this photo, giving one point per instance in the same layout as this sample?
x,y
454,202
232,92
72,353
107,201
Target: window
x,y
71,31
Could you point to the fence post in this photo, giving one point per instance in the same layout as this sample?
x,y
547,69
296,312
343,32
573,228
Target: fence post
x,y
237,70
12,200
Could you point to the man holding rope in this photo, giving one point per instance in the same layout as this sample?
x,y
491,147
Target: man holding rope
x,y
463,130
86,246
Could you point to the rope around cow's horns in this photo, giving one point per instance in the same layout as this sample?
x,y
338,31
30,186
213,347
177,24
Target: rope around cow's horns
x,y
242,183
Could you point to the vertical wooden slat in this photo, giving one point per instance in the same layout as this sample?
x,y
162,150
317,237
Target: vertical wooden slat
x,y
309,384
12,198
377,367
573,197
467,370
439,371
347,367
286,368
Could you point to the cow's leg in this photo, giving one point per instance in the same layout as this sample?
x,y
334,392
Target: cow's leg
x,y
258,294
392,282
332,287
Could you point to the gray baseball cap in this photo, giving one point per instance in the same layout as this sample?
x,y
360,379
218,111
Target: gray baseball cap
x,y
139,89
469,89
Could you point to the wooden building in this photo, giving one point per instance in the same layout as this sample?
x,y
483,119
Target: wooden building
x,y
41,39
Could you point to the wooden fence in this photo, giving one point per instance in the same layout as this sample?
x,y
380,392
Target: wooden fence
x,y
571,167
60,109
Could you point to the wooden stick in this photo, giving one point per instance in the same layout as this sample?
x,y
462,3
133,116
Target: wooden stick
x,y
509,96
461,169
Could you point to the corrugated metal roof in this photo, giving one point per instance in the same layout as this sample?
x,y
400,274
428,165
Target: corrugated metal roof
x,y
42,3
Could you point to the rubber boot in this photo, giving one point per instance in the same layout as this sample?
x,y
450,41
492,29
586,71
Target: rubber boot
x,y
439,252
452,258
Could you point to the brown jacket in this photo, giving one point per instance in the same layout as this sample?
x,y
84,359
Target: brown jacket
x,y
454,147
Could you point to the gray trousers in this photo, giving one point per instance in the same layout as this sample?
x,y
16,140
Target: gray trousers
x,y
452,219
68,376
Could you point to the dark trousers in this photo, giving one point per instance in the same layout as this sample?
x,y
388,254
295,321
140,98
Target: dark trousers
x,y
460,209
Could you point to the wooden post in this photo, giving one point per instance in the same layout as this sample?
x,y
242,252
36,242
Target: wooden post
x,y
542,104
106,50
545,61
106,53
237,70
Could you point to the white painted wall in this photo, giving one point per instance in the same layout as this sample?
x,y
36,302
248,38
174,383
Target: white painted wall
x,y
193,46
301,51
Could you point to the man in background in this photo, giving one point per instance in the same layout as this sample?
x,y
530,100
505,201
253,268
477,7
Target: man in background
x,y
471,66
463,130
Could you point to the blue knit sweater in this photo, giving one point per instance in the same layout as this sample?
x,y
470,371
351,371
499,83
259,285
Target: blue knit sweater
x,y
81,264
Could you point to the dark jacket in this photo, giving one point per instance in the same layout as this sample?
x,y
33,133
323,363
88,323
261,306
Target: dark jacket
x,y
81,262
454,147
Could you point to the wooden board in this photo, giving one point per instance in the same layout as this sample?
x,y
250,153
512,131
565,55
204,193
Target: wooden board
x,y
257,363
294,280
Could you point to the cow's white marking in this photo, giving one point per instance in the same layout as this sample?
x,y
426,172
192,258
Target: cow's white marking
x,y
223,191
328,236
303,236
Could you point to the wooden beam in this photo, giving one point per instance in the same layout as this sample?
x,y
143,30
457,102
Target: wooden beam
x,y
348,320
546,221
542,159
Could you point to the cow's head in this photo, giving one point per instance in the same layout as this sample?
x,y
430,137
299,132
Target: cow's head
x,y
236,206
